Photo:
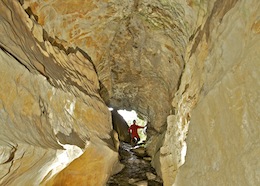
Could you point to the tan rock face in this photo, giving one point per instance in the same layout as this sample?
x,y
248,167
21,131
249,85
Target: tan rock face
x,y
50,113
91,168
223,137
136,46
177,63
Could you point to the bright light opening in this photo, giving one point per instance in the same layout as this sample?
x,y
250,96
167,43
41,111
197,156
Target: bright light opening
x,y
129,116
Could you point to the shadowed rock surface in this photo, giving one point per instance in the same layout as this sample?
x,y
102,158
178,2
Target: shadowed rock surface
x,y
120,126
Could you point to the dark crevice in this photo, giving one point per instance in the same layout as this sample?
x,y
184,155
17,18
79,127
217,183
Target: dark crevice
x,y
29,12
21,2
179,80
11,157
16,58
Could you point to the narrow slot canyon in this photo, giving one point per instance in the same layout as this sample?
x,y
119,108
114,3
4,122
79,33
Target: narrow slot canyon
x,y
187,70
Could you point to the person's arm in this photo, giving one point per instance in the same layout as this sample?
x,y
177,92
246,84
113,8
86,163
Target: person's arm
x,y
140,127
144,126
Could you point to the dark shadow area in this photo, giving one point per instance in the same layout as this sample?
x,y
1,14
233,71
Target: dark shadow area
x,y
120,126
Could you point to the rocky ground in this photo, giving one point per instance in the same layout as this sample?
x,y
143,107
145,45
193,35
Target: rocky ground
x,y
137,171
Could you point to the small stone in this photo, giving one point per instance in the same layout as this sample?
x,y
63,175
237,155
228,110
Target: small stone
x,y
132,180
139,151
147,158
142,183
150,176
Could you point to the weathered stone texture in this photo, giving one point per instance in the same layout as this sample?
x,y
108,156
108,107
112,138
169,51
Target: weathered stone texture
x,y
223,138
50,113
188,67
91,168
136,46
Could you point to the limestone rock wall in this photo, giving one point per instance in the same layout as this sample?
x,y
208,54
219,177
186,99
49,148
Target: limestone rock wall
x,y
137,47
218,101
49,113
191,68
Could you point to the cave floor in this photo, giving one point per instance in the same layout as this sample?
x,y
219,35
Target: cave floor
x,y
137,170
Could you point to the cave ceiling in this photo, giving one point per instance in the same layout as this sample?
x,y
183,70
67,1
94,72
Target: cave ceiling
x,y
136,47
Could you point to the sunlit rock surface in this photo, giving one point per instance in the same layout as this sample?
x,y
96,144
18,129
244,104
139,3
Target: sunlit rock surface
x,y
223,139
50,113
137,47
190,68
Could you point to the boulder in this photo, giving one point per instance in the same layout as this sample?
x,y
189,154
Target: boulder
x,y
120,126
139,151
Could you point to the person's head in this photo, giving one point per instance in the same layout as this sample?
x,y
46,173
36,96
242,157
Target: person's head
x,y
134,122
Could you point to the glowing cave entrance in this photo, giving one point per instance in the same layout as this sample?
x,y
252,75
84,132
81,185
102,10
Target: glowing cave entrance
x,y
129,116
133,155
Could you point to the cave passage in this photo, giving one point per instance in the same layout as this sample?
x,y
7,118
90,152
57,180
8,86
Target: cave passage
x,y
137,170
129,116
137,164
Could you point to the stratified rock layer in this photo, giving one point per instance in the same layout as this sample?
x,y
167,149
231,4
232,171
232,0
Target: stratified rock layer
x,y
137,48
223,140
182,65
50,113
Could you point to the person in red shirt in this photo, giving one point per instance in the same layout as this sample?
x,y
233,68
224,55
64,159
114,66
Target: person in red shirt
x,y
133,132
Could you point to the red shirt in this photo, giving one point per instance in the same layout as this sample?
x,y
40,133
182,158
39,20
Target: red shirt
x,y
133,129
